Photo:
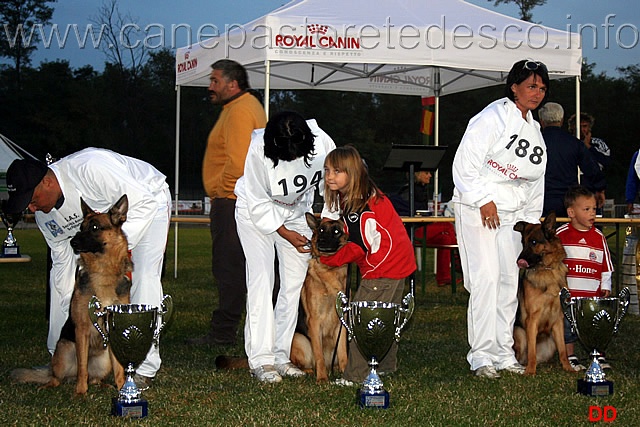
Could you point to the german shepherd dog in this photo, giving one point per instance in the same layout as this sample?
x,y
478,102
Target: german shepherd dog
x,y
102,271
318,295
541,316
315,348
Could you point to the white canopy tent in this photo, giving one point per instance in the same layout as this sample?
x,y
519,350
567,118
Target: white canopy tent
x,y
409,47
9,151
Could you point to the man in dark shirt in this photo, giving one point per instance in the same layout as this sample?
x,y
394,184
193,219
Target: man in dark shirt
x,y
565,153
598,149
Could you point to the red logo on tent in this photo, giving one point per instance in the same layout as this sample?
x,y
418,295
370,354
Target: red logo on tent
x,y
187,64
316,37
317,28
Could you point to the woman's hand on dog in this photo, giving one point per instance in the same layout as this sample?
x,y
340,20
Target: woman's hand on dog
x,y
300,242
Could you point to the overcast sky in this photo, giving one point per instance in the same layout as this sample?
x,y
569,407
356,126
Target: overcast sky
x,y
616,23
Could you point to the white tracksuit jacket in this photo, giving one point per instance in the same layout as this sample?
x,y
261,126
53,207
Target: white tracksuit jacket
x,y
269,197
100,177
501,158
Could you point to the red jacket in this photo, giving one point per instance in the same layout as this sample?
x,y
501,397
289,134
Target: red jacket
x,y
378,243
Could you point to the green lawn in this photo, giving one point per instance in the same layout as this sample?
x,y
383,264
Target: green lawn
x,y
432,387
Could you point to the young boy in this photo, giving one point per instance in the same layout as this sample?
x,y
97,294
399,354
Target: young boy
x,y
588,258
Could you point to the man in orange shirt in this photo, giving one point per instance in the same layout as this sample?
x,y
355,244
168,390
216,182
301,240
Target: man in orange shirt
x,y
223,164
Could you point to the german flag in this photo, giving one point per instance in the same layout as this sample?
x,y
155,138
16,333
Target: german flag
x,y
428,115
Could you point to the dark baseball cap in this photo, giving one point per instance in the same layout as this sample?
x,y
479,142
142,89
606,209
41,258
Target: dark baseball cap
x,y
23,176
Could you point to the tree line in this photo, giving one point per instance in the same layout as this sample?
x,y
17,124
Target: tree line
x,y
58,109
130,107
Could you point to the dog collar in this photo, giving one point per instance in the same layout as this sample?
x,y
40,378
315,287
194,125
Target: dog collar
x,y
544,267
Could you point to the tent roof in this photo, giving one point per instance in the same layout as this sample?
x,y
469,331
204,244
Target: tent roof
x,y
9,151
420,47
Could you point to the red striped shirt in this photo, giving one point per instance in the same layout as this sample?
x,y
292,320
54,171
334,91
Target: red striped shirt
x,y
587,259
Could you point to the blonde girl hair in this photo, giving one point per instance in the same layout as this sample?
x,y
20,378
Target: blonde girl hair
x,y
360,187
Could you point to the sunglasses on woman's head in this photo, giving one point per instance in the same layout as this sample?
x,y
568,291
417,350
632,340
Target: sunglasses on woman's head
x,y
534,65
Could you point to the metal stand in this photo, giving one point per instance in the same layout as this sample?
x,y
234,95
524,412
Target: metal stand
x,y
414,158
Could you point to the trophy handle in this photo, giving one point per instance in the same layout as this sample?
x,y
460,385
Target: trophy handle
x,y
95,313
342,307
567,307
166,313
406,311
624,298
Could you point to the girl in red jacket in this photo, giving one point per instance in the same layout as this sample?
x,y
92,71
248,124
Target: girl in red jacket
x,y
378,243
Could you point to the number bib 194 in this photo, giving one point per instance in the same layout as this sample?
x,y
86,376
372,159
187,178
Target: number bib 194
x,y
290,180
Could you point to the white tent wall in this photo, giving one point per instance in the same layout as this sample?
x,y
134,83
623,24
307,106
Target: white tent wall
x,y
404,47
9,151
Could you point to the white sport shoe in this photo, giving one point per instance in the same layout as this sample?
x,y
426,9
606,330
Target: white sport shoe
x,y
516,368
289,370
344,383
487,371
603,363
266,374
575,363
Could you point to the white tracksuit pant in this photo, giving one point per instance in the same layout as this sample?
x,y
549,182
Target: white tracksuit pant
x,y
146,287
489,263
268,331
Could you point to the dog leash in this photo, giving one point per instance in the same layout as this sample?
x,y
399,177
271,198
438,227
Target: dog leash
x,y
348,294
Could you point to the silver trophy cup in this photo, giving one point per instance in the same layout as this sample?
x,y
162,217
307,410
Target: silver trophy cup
x,y
595,321
131,330
375,325
10,247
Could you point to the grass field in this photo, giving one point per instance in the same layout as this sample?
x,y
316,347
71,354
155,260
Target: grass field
x,y
433,386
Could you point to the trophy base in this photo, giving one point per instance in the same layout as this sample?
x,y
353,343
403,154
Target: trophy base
x,y
137,409
604,388
10,252
379,400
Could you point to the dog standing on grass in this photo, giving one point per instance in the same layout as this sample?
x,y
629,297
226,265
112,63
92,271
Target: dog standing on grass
x,y
541,317
315,349
102,271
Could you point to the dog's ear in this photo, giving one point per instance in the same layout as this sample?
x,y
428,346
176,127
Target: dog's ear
x,y
312,220
118,212
549,224
519,226
86,210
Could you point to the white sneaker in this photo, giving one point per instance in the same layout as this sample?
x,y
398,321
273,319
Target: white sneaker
x,y
266,374
603,363
289,370
575,363
487,371
344,383
516,368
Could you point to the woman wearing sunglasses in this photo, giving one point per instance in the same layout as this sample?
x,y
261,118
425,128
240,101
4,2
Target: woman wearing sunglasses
x,y
498,172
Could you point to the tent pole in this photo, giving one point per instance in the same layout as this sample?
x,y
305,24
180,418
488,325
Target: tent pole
x,y
436,132
577,107
177,182
267,79
436,139
577,123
